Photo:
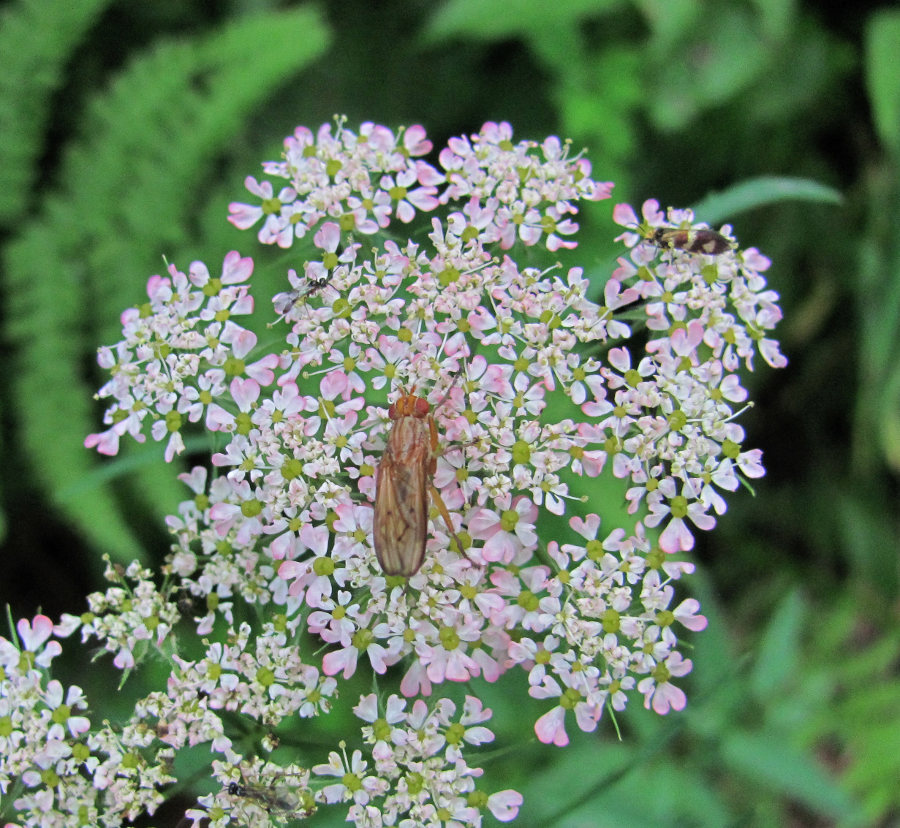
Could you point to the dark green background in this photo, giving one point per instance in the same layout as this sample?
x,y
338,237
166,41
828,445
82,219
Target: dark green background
x,y
126,128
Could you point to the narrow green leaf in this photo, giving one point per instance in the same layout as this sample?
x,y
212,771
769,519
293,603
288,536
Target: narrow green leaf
x,y
768,758
882,77
485,21
778,654
759,192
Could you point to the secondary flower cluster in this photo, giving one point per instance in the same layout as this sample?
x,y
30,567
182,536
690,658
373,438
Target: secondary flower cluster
x,y
526,384
363,180
58,770
418,771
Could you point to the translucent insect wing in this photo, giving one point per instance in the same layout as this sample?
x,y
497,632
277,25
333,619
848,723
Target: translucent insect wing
x,y
401,499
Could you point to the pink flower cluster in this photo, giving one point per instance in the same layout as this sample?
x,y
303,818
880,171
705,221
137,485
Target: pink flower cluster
x,y
535,393
418,771
362,181
57,770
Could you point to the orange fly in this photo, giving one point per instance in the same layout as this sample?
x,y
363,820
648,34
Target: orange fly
x,y
402,485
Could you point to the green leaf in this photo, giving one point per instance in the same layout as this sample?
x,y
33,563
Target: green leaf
x,y
777,16
711,62
779,651
877,397
769,758
33,68
868,534
762,191
882,77
490,21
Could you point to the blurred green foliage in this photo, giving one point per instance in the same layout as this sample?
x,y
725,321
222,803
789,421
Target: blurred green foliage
x,y
125,129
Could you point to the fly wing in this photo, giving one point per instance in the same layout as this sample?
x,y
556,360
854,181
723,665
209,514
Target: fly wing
x,y
400,524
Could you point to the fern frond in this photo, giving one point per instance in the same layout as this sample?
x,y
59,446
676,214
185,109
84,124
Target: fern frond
x,y
129,189
37,39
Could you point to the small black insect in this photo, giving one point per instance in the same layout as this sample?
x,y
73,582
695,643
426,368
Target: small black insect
x,y
701,240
